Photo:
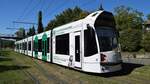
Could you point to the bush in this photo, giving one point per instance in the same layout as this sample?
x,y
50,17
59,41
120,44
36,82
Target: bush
x,y
141,51
130,40
146,42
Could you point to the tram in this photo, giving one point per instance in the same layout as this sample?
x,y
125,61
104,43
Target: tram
x,y
89,44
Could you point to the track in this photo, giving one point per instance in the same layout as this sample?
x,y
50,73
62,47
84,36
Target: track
x,y
36,81
48,75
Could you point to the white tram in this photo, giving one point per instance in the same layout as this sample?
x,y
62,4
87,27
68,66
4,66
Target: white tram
x,y
30,46
90,44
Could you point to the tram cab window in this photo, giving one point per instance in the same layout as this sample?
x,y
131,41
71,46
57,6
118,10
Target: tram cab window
x,y
105,27
107,39
62,44
90,46
40,45
105,19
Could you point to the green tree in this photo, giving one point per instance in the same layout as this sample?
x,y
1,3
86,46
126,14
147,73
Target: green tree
x,y
21,33
129,23
33,31
148,16
29,32
24,33
7,43
40,25
146,41
127,17
130,40
67,16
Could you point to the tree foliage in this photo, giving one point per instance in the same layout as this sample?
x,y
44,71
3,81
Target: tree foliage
x,y
130,40
6,43
127,17
40,25
31,31
129,23
67,16
146,41
148,16
21,33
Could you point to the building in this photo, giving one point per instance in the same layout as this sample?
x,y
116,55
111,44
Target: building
x,y
146,26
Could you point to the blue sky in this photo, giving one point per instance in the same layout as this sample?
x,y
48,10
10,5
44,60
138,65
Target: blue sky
x,y
26,10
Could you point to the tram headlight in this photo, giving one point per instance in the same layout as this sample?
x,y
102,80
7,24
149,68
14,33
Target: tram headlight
x,y
103,58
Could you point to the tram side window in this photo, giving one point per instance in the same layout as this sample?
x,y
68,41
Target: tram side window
x,y
62,44
35,46
40,45
19,46
47,45
16,46
29,45
90,47
25,45
22,46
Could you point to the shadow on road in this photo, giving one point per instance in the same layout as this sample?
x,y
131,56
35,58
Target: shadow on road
x,y
5,59
4,68
127,68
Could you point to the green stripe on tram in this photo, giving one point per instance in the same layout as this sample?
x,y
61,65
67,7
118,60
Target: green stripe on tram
x,y
36,47
44,47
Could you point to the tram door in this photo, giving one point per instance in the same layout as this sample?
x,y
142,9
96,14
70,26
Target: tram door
x,y
44,47
36,47
78,50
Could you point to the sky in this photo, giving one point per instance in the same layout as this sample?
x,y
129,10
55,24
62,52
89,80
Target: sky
x,y
27,10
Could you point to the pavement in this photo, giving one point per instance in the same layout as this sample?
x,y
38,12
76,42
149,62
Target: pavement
x,y
142,61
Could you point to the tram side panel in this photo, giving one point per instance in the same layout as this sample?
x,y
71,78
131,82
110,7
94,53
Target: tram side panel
x,y
30,46
64,45
20,46
15,47
23,46
60,49
26,46
41,49
76,45
46,46
22,51
37,40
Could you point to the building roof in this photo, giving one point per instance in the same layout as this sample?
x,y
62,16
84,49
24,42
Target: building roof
x,y
147,22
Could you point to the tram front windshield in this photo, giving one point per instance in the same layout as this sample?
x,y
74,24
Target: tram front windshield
x,y
107,38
